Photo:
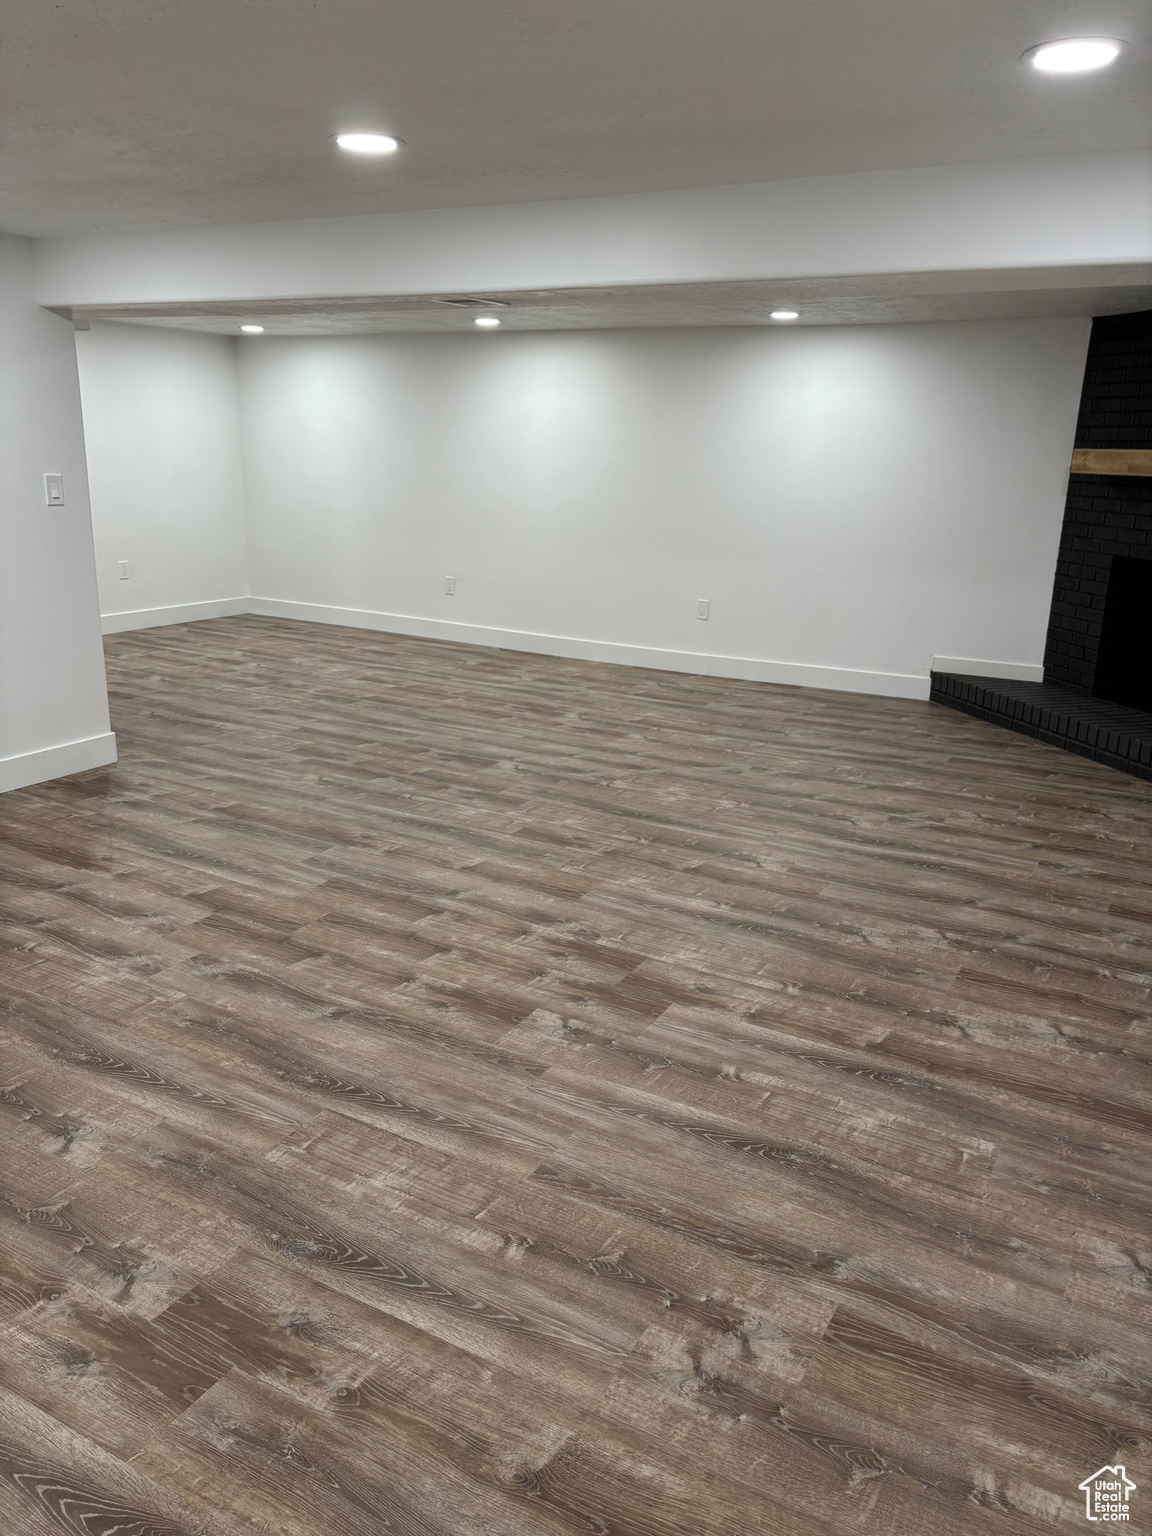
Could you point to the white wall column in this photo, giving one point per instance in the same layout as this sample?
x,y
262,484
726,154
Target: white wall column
x,y
53,696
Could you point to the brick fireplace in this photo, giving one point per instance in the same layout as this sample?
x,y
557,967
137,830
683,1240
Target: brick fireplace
x,y
1096,697
1105,518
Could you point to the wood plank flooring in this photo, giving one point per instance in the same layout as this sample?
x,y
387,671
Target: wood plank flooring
x,y
448,1091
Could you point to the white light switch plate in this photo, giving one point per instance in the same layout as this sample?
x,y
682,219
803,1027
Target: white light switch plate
x,y
450,586
702,607
53,490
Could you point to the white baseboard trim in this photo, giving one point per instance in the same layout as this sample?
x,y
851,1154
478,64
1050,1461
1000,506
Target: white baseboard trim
x,y
898,685
1013,671
893,684
177,613
56,762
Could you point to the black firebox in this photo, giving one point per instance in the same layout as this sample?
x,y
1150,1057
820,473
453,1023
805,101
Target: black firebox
x,y
1124,658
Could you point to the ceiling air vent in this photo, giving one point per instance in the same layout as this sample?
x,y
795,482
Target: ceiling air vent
x,y
471,303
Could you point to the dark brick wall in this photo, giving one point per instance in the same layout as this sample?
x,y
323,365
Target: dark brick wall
x,y
1116,403
1103,516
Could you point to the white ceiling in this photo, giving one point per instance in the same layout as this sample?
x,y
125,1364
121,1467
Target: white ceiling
x,y
132,114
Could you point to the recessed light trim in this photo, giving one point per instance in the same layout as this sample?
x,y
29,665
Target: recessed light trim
x,y
486,322
785,314
1074,55
252,330
359,143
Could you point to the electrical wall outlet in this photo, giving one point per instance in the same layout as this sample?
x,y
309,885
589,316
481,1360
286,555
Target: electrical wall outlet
x,y
702,607
53,490
122,567
450,586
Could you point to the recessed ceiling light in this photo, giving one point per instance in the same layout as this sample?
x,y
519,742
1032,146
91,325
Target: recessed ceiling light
x,y
487,322
1074,55
253,330
368,143
785,314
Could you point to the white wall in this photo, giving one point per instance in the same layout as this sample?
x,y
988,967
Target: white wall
x,y
853,501
161,414
978,219
53,699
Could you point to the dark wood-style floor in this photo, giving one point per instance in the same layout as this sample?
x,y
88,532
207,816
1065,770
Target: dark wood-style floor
x,y
450,1091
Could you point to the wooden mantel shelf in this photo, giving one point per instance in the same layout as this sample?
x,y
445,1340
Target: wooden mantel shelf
x,y
1112,461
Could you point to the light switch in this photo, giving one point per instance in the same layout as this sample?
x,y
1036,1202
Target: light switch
x,y
53,490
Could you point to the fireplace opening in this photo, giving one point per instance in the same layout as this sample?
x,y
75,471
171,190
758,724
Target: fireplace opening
x,y
1124,660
